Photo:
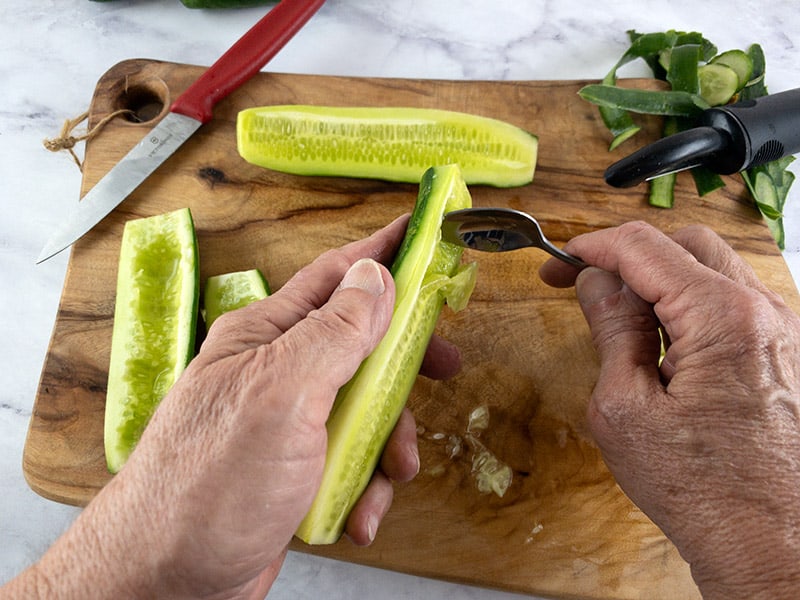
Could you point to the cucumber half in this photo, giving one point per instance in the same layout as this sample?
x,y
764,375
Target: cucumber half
x,y
229,291
155,319
427,273
394,144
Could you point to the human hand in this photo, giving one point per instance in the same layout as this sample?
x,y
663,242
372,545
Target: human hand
x,y
232,458
707,445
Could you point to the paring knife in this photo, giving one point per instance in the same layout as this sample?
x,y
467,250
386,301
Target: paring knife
x,y
727,139
189,111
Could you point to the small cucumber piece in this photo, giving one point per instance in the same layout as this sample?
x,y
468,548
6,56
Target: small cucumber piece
x,y
155,318
718,83
740,62
427,274
394,144
756,86
662,191
227,292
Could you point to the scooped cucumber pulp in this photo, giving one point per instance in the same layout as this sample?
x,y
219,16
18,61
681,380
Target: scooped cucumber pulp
x,y
229,291
155,319
427,273
393,144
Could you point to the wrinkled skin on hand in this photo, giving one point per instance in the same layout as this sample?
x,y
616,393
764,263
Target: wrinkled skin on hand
x,y
232,458
707,445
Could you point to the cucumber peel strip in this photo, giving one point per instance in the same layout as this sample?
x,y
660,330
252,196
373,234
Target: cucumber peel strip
x,y
651,102
686,61
647,47
427,273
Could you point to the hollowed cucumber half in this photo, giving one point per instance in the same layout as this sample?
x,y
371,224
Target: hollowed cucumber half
x,y
155,318
427,273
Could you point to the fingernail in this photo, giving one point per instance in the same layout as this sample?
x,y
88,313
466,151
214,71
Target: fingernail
x,y
372,528
365,274
415,456
595,285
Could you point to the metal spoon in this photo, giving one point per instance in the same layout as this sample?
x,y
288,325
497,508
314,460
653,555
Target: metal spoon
x,y
499,230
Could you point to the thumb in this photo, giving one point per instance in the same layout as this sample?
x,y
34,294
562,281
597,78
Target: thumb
x,y
331,342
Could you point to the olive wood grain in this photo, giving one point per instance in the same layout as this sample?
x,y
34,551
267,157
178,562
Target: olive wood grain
x,y
563,529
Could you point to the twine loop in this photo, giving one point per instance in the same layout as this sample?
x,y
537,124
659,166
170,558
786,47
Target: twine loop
x,y
66,140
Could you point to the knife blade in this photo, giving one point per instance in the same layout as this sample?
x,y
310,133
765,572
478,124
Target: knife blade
x,y
188,112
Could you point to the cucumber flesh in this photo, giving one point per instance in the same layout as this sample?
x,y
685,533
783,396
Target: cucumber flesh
x,y
394,144
155,319
718,83
229,291
426,272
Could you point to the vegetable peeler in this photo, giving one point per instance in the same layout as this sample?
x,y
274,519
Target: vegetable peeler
x,y
727,139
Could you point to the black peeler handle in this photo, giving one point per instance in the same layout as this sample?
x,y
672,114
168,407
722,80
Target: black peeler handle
x,y
677,152
727,139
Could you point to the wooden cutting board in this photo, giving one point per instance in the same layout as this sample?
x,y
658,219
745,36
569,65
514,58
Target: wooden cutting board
x,y
563,529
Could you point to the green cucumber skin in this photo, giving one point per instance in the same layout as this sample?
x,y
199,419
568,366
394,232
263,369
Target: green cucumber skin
x,y
425,188
367,408
121,437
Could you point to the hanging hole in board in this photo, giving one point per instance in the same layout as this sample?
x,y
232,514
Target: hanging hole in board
x,y
145,100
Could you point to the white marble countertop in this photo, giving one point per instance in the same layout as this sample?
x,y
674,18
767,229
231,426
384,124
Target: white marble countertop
x,y
54,51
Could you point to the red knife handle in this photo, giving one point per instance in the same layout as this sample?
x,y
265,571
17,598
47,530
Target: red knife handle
x,y
245,58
